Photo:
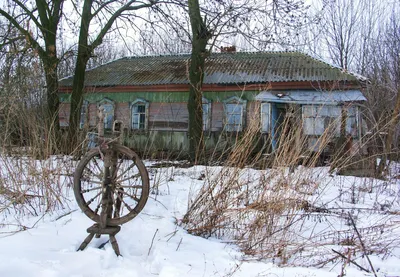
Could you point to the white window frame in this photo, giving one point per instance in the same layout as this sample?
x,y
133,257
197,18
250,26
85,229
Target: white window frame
x,y
236,103
206,107
109,112
317,115
265,117
134,104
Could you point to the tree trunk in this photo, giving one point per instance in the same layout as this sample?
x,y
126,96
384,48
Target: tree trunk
x,y
78,84
85,51
200,37
395,119
53,105
77,99
50,65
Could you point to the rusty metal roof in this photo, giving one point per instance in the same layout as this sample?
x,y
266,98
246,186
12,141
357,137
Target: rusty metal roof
x,y
220,68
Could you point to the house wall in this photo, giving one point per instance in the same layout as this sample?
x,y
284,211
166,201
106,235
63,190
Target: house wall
x,y
217,116
156,96
121,112
167,118
92,114
63,114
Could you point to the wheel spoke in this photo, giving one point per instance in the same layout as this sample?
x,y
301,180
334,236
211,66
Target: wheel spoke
x,y
130,177
91,200
90,171
131,187
97,208
97,165
125,204
130,196
126,170
87,190
92,182
120,162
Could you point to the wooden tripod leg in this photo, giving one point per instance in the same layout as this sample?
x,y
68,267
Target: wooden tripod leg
x,y
86,242
114,245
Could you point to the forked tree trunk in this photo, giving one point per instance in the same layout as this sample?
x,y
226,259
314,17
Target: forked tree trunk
x,y
50,65
85,51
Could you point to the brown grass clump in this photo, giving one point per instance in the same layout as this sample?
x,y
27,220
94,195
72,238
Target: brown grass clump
x,y
33,181
282,213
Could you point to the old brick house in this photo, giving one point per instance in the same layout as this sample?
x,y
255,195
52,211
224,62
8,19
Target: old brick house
x,y
149,95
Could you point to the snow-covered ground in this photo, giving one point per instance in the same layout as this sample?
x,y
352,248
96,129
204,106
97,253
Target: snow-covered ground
x,y
151,244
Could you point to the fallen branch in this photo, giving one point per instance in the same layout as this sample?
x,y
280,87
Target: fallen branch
x,y
362,244
68,213
351,261
179,244
152,241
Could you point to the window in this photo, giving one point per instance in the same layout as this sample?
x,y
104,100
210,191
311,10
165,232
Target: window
x,y
206,114
108,106
139,114
265,117
318,118
352,121
84,114
234,114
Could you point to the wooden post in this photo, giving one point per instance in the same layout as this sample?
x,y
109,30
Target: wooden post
x,y
101,115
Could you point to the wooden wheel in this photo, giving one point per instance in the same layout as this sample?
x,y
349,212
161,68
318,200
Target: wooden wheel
x,y
121,171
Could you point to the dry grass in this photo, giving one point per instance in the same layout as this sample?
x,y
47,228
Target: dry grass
x,y
282,213
33,182
272,213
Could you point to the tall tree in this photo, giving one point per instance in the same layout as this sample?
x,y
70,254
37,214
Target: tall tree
x,y
257,22
341,27
103,15
390,67
200,37
37,23
346,31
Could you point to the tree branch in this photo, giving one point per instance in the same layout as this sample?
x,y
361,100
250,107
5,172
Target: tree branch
x,y
41,6
24,32
110,22
28,12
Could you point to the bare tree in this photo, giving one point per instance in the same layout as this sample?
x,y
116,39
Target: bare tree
x,y
370,20
257,22
102,15
200,37
354,35
37,24
341,21
389,67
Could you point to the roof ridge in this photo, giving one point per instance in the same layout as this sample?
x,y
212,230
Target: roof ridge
x,y
212,53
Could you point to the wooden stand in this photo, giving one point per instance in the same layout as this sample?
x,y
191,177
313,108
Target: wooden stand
x,y
98,231
110,161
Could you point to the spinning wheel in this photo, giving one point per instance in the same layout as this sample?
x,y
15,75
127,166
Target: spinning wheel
x,y
111,186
